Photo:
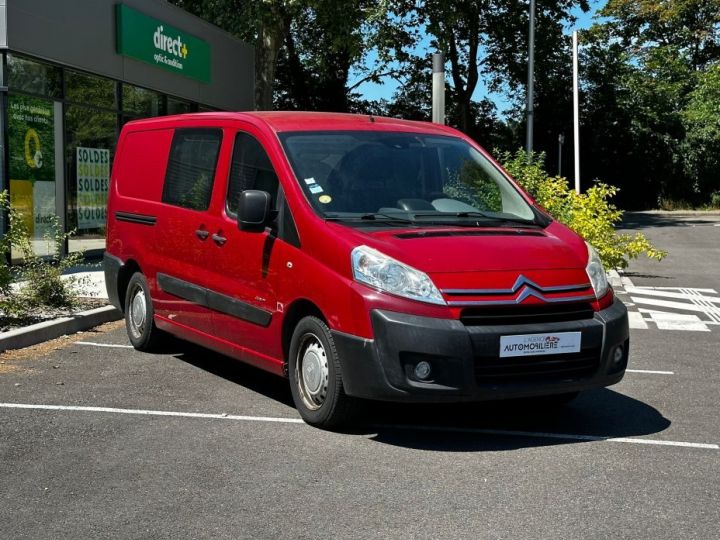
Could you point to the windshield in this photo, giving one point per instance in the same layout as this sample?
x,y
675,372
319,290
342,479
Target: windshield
x,y
402,177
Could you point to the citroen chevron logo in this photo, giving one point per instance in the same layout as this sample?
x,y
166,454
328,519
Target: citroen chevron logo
x,y
526,288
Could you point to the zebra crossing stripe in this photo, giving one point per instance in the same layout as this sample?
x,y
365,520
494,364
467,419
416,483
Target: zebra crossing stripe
x,y
679,294
669,304
699,300
636,320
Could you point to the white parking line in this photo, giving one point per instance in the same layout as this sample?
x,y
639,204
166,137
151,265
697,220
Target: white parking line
x,y
215,416
654,372
635,319
443,429
110,345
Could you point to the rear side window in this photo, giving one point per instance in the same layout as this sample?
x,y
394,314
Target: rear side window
x,y
140,164
250,169
191,168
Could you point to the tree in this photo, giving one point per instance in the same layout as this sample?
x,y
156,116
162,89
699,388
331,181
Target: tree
x,y
642,65
487,40
701,120
264,24
325,41
305,49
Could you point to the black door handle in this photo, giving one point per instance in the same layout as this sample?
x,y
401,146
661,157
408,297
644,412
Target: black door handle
x,y
219,240
202,234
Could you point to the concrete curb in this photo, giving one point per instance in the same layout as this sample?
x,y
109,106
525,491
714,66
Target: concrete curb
x,y
673,213
44,331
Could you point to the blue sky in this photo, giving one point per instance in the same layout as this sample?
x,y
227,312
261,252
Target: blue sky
x,y
387,88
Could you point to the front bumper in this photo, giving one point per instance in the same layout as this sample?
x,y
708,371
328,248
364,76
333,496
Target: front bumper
x,y
465,359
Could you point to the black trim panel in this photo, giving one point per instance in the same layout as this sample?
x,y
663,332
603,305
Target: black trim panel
x,y
141,219
213,300
112,266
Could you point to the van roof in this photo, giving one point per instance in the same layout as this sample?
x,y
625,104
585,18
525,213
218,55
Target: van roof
x,y
280,121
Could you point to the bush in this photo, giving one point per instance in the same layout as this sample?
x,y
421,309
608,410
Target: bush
x,y
715,200
589,214
36,283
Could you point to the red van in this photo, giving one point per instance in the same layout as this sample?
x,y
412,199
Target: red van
x,y
360,257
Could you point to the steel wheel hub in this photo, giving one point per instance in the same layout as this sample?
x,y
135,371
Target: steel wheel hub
x,y
312,372
138,311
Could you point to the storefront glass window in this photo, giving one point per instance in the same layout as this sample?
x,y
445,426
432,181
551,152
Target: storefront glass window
x,y
89,90
176,106
31,164
34,77
141,102
48,107
90,145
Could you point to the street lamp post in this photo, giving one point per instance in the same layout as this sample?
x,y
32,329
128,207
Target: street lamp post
x,y
576,112
561,141
531,81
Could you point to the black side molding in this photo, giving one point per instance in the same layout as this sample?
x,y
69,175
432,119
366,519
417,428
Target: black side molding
x,y
214,300
141,219
112,267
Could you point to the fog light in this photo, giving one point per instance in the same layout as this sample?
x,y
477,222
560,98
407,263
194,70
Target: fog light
x,y
618,355
422,370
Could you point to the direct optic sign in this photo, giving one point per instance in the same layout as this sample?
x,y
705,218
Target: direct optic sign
x,y
152,41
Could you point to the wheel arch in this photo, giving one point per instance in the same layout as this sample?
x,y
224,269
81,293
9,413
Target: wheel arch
x,y
126,272
297,310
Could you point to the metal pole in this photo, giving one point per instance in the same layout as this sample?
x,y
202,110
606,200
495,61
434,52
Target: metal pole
x,y
438,88
576,111
531,81
561,141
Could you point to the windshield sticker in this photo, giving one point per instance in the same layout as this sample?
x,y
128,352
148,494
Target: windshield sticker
x,y
310,180
315,189
325,199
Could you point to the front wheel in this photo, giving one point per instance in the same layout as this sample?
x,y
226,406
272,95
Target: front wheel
x,y
315,376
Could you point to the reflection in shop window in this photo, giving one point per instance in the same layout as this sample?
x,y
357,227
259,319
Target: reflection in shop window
x,y
176,106
34,77
90,135
89,90
141,102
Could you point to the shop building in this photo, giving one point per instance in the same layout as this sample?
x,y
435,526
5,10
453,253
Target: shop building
x,y
73,72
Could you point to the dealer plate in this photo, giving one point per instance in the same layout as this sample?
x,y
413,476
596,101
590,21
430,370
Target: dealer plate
x,y
540,344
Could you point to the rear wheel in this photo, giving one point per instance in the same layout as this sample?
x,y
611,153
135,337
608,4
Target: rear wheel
x,y
315,376
139,315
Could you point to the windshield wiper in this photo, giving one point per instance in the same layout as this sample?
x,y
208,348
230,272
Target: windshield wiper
x,y
478,214
372,216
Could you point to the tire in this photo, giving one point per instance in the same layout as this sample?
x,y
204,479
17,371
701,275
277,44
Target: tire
x,y
315,376
139,315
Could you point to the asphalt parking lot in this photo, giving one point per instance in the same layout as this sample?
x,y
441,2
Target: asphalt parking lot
x,y
98,440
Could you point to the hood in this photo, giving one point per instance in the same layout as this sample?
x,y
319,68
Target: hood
x,y
451,250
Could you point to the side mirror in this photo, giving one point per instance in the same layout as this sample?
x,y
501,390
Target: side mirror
x,y
253,210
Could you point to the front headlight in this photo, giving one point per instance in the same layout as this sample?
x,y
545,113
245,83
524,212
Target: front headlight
x,y
385,273
596,273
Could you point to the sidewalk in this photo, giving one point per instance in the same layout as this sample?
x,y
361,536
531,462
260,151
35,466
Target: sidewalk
x,y
91,285
92,279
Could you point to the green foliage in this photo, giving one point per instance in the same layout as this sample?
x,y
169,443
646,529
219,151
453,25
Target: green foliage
x,y
650,99
590,214
36,283
472,186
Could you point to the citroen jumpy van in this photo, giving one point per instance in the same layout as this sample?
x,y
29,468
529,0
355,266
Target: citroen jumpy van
x,y
359,257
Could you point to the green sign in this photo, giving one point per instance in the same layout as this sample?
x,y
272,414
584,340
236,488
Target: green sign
x,y
150,40
31,142
31,134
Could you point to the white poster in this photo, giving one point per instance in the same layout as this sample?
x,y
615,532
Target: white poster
x,y
93,176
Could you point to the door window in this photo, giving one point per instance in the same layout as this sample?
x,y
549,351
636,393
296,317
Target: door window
x,y
191,168
250,169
